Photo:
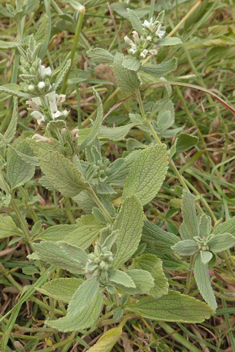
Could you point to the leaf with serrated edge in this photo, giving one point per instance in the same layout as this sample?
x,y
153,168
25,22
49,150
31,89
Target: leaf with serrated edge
x,y
82,320
129,222
135,21
147,174
143,281
107,341
8,227
226,227
64,256
101,56
116,133
221,242
61,74
96,125
158,240
62,173
153,265
172,307
126,79
18,170
84,295
61,289
203,282
186,247
120,277
132,64
189,227
56,233
185,142
160,70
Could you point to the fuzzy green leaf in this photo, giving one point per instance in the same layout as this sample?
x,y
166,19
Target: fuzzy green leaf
x,y
147,174
142,279
62,173
61,74
221,242
84,295
101,56
203,282
204,225
160,70
63,255
189,227
120,277
14,90
129,222
185,142
107,341
126,79
93,3
82,320
205,256
8,227
135,21
153,265
19,171
186,247
132,64
226,227
169,41
172,307
11,129
61,289
56,233
96,125
116,133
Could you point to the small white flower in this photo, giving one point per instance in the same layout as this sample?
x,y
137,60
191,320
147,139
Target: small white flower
x,y
53,102
31,87
148,24
38,116
136,36
128,40
153,51
144,53
41,138
56,114
36,101
149,38
43,71
133,49
41,85
160,33
65,113
60,99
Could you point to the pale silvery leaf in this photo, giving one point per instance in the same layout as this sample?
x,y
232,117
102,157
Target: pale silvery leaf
x,y
186,247
129,222
107,341
142,279
120,277
96,125
204,225
19,171
132,64
158,240
63,255
169,41
189,227
153,265
61,289
61,75
82,320
172,307
62,173
101,56
8,227
116,133
147,174
226,227
56,233
83,297
126,79
205,256
135,21
221,242
160,70
203,282
109,240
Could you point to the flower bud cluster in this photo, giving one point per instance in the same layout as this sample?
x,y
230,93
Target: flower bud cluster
x,y
99,262
145,43
203,242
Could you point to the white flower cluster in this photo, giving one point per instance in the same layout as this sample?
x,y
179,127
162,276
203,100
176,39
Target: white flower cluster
x,y
51,100
143,44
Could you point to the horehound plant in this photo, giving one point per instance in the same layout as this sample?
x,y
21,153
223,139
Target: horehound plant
x,y
115,255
